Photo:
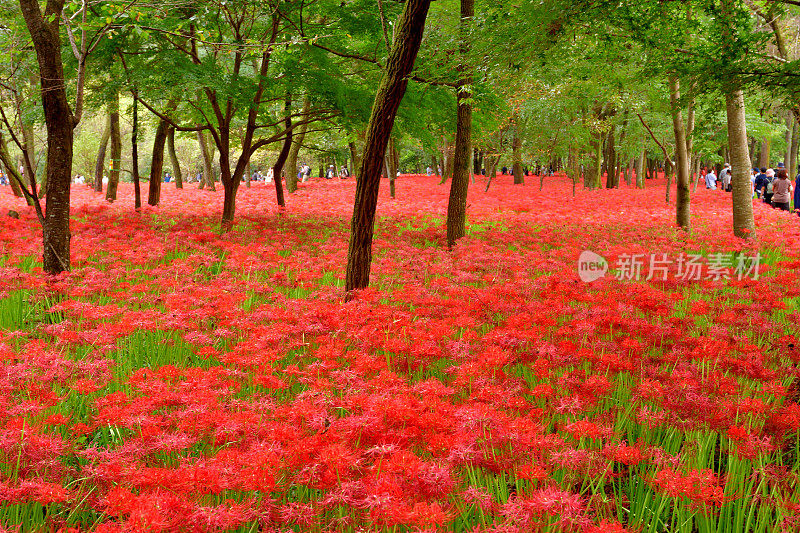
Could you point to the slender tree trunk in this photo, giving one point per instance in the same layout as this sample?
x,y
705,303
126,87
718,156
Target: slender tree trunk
x,y
60,122
14,177
410,29
491,170
791,164
459,185
640,170
391,166
766,148
137,190
116,150
29,161
277,170
682,204
297,143
355,163
611,161
100,165
447,160
597,170
668,171
173,156
208,163
516,146
157,163
743,223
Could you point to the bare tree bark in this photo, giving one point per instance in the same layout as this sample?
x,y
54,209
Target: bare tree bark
x,y
277,170
516,146
297,143
100,165
355,163
157,162
459,185
137,190
682,204
60,122
410,29
743,222
116,150
173,156
208,163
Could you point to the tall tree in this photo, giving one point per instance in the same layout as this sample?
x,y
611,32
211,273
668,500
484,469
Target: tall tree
x,y
683,210
116,150
459,185
99,168
408,38
173,157
157,159
60,121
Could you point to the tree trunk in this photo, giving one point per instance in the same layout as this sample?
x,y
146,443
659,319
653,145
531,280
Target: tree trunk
x,y
640,170
668,171
516,147
743,223
682,204
157,163
100,165
14,177
137,190
116,150
60,121
27,125
597,169
491,170
763,159
173,156
459,185
390,166
208,164
611,160
791,164
277,170
355,163
410,29
297,143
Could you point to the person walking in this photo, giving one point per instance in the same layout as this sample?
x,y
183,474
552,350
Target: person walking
x,y
797,191
769,176
711,180
782,190
725,177
761,182
330,173
344,173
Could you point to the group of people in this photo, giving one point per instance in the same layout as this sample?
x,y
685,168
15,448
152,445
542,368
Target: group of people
x,y
330,173
772,185
775,188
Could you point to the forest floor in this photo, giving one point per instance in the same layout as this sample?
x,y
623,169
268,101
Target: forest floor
x,y
179,380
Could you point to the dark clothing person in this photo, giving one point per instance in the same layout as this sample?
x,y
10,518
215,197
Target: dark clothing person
x,y
761,182
797,193
782,188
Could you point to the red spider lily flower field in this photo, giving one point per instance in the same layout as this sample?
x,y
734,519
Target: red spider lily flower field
x,y
180,380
